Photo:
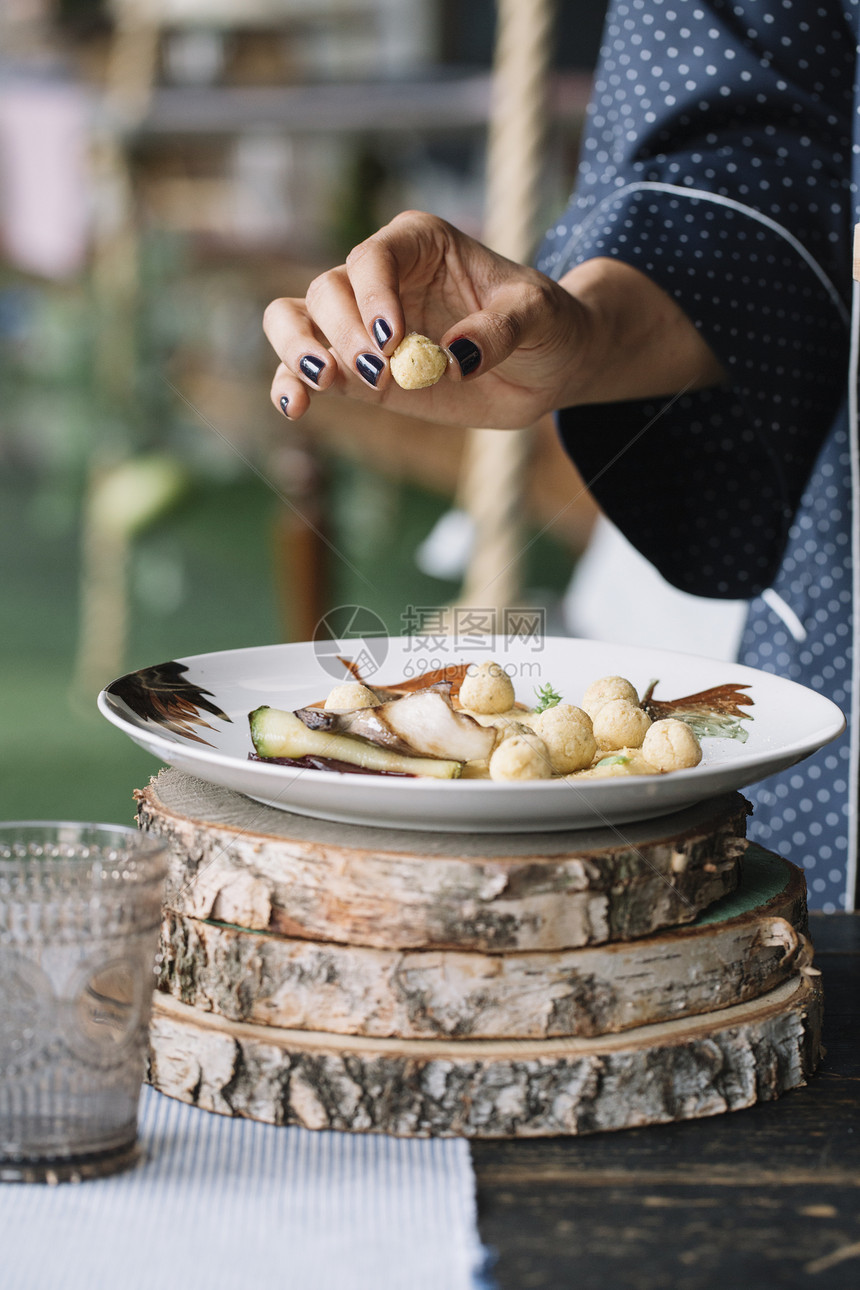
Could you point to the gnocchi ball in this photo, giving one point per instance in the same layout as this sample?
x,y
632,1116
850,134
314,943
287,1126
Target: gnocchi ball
x,y
620,724
417,362
608,687
671,745
507,728
521,757
487,688
568,735
350,696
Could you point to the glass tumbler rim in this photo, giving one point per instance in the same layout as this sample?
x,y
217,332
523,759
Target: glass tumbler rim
x,y
147,848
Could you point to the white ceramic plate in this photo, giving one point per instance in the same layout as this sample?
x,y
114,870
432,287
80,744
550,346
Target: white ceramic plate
x,y
192,714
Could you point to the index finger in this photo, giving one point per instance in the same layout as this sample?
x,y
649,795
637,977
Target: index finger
x,y
375,280
377,267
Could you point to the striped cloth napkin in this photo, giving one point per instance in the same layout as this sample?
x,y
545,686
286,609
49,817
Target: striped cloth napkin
x,y
222,1204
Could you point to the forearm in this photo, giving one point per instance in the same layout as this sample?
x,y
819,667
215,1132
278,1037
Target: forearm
x,y
640,344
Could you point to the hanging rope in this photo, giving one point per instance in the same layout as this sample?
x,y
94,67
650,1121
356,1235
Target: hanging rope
x,y
495,461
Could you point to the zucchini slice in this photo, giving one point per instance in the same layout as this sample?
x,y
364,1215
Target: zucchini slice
x,y
275,733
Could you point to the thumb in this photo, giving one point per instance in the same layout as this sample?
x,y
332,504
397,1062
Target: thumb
x,y
517,314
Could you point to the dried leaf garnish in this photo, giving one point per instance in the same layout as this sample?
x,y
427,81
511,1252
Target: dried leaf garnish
x,y
715,712
453,673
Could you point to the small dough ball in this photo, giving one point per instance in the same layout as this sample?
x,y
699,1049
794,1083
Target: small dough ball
x,y
671,745
487,688
507,728
349,697
417,362
521,757
620,724
568,735
608,687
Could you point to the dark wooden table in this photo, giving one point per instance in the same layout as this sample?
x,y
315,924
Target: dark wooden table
x,y
768,1197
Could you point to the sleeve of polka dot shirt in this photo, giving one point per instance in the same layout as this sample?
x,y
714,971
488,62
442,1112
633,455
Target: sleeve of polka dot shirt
x,y
717,161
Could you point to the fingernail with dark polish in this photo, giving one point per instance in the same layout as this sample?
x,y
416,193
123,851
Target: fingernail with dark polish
x,y
466,353
381,332
370,367
312,367
285,403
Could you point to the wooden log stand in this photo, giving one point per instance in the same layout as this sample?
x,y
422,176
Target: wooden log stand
x,y
236,861
750,943
427,984
490,1088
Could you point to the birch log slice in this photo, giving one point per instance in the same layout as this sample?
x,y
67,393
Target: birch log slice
x,y
746,945
236,861
677,1070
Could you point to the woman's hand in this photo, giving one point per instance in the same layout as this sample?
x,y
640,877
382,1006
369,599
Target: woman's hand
x,y
511,333
519,344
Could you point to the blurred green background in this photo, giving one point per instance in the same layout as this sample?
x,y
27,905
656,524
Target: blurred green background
x,y
151,500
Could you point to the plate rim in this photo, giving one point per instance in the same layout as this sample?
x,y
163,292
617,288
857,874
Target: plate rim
x,y
798,749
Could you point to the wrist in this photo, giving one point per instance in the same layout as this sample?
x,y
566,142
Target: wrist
x,y
638,342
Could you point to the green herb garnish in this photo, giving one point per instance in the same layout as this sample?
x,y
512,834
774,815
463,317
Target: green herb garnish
x,y
547,698
617,760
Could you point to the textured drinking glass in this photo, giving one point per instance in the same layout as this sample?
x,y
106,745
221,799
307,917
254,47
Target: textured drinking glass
x,y
80,908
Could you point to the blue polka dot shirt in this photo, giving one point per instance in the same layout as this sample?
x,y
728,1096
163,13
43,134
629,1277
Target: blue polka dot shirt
x,y
718,160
